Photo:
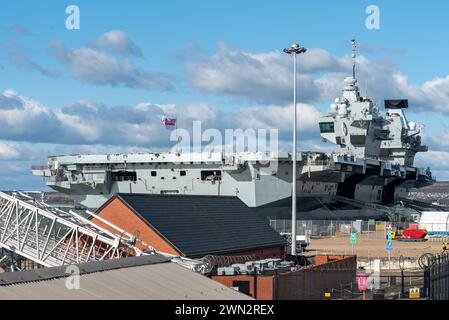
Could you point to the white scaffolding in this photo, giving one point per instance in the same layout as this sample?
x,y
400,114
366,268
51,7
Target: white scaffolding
x,y
52,237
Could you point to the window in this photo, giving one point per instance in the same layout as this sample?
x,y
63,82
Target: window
x,y
124,176
153,173
327,127
169,191
210,175
182,173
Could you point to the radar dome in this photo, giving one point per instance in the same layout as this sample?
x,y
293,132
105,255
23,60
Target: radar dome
x,y
412,125
350,81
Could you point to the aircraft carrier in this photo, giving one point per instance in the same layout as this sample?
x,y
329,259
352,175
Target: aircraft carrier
x,y
373,163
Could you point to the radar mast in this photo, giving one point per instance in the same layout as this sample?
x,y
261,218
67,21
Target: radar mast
x,y
354,46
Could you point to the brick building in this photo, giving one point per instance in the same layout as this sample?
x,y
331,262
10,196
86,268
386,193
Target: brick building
x,y
193,226
308,283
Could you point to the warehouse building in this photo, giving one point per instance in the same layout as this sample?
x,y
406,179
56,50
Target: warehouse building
x,y
150,277
193,226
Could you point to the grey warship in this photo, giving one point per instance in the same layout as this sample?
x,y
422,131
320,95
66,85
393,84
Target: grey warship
x,y
373,163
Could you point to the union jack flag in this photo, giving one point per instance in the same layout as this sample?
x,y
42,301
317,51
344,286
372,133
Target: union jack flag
x,y
169,123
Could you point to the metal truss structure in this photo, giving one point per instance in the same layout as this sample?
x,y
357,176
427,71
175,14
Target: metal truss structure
x,y
53,237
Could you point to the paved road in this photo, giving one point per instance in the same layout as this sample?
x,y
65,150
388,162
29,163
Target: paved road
x,y
372,247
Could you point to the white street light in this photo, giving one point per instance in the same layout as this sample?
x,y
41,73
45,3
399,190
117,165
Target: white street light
x,y
294,49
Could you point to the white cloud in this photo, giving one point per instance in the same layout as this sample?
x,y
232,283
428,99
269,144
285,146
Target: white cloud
x,y
278,117
116,41
8,151
437,161
82,122
263,77
22,118
430,95
97,67
438,141
267,77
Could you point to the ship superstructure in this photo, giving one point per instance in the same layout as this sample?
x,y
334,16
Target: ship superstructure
x,y
385,144
373,162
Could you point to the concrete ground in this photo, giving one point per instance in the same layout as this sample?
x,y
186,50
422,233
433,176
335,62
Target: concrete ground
x,y
371,246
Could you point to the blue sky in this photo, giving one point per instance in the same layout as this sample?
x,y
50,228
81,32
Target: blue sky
x,y
213,61
164,28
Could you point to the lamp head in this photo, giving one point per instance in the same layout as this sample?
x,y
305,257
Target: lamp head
x,y
295,48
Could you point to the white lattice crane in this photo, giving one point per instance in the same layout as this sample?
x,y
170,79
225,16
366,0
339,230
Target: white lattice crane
x,y
52,237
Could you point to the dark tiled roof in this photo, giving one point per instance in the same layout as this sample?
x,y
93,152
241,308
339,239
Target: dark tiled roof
x,y
202,225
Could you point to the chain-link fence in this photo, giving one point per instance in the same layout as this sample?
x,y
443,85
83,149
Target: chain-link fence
x,y
429,281
390,287
336,228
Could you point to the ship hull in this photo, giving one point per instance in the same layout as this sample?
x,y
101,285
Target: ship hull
x,y
317,184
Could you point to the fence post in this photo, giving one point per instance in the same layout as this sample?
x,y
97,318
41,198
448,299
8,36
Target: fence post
x,y
402,283
427,283
446,276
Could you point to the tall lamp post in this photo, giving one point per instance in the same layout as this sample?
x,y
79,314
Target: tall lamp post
x,y
294,50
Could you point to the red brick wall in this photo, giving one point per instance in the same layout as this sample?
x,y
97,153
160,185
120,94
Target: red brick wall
x,y
119,214
318,260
